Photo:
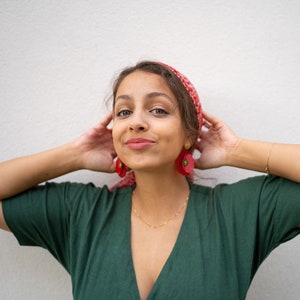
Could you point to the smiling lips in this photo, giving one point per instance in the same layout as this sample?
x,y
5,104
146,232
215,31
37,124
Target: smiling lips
x,y
139,144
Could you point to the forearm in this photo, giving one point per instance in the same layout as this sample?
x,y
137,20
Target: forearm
x,y
20,174
273,158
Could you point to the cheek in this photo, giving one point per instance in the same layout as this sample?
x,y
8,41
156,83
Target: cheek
x,y
177,136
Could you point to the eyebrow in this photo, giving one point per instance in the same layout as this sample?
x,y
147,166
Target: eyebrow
x,y
149,96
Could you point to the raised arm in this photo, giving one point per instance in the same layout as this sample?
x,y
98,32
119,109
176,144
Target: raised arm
x,y
93,151
219,146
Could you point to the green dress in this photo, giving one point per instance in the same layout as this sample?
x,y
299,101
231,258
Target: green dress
x,y
226,233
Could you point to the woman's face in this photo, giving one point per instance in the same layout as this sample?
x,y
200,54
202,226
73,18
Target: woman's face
x,y
147,131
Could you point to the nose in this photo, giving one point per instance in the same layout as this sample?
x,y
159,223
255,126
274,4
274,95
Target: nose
x,y
138,123
136,127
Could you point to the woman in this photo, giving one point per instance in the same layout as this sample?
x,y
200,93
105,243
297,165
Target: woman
x,y
156,235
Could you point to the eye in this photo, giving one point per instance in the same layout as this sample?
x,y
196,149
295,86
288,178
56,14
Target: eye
x,y
124,113
159,111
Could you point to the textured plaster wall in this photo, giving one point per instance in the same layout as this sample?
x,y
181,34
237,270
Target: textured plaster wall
x,y
57,59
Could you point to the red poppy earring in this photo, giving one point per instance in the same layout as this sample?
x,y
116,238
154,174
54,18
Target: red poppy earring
x,y
185,161
121,168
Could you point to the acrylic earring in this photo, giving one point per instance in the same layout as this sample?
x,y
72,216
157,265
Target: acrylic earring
x,y
121,168
185,162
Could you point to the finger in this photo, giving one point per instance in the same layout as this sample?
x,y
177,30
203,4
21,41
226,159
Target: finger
x,y
210,118
104,122
107,119
206,124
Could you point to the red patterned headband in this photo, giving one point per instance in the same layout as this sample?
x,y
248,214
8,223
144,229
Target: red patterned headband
x,y
191,90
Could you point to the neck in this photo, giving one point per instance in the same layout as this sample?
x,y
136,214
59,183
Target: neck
x,y
158,197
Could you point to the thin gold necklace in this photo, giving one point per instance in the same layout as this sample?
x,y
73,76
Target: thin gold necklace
x,y
162,224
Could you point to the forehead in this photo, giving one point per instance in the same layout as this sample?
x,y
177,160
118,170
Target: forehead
x,y
141,82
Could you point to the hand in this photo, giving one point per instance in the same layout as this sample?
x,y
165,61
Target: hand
x,y
96,150
216,143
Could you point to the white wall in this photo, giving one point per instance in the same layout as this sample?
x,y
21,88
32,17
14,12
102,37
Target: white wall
x,y
57,59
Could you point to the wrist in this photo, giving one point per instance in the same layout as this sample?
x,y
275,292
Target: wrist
x,y
73,157
251,155
233,153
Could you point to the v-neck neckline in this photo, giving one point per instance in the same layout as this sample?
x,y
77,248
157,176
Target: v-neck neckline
x,y
173,252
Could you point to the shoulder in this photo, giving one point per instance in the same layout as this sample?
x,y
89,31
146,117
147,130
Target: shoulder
x,y
66,196
250,192
244,187
256,186
262,186
85,194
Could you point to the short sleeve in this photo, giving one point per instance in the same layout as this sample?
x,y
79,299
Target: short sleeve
x,y
41,216
278,216
262,211
286,217
275,205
